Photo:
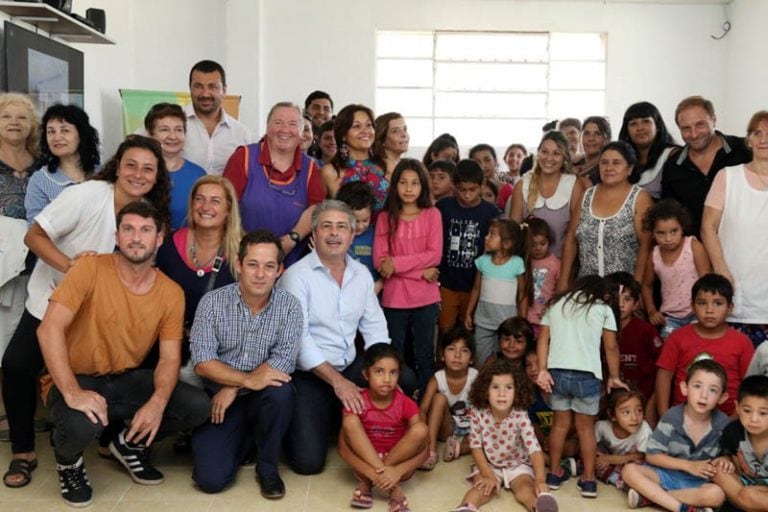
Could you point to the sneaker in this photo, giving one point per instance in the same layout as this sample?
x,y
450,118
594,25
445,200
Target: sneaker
x,y
554,481
75,487
136,460
546,503
587,488
691,508
637,500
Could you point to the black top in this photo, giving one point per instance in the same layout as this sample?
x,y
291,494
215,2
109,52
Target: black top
x,y
683,181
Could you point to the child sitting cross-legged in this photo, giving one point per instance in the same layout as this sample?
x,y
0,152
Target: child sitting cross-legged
x,y
445,405
683,448
745,442
504,446
387,442
622,438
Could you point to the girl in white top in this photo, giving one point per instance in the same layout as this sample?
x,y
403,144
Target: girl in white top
x,y
550,191
623,437
445,406
568,351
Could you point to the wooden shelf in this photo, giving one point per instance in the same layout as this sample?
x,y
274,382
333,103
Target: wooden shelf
x,y
54,22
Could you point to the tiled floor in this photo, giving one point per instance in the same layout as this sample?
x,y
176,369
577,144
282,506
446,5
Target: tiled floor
x,y
439,490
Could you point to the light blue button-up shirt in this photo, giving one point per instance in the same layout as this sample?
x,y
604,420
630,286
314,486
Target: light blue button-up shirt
x,y
333,314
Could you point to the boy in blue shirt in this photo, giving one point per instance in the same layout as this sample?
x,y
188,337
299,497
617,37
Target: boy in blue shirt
x,y
465,224
683,449
359,196
745,442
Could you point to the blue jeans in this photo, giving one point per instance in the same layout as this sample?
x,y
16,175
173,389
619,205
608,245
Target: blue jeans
x,y
125,394
421,322
219,448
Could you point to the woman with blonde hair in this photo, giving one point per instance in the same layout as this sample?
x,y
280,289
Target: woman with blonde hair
x,y
201,255
550,191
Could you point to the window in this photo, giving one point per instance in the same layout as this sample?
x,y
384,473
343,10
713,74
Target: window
x,y
493,87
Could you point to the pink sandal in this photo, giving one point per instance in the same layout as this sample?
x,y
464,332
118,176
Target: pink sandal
x,y
397,504
360,500
452,449
430,463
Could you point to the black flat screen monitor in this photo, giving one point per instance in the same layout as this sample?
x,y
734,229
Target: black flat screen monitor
x,y
50,72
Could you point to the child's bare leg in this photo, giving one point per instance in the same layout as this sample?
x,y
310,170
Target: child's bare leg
x,y
644,480
363,471
412,444
523,489
436,419
752,498
708,495
475,497
571,445
356,439
561,424
585,428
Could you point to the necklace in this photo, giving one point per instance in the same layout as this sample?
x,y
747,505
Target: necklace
x,y
200,272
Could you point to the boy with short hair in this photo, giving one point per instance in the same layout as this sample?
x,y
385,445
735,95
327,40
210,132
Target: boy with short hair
x,y
745,442
712,302
441,178
465,224
681,450
639,343
361,198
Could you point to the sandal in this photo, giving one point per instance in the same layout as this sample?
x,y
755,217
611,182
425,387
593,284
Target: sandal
x,y
465,507
452,449
361,500
21,467
430,463
398,504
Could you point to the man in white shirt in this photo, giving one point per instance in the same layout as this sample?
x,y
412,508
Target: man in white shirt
x,y
337,299
212,134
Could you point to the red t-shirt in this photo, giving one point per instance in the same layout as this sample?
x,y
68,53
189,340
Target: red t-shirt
x,y
733,350
385,427
639,347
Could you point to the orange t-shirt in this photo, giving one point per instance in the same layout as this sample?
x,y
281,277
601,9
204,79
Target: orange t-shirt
x,y
113,329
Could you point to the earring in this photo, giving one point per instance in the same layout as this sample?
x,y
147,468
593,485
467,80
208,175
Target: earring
x,y
344,151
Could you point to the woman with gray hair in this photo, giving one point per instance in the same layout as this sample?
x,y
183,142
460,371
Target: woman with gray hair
x,y
277,185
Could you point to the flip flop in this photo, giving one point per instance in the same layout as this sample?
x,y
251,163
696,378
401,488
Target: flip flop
x,y
430,463
360,500
452,449
21,467
397,504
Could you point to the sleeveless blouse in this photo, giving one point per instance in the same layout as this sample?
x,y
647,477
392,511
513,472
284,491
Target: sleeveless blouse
x,y
677,279
554,210
607,244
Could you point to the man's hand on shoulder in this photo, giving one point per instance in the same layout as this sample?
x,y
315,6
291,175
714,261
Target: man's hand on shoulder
x,y
349,394
263,376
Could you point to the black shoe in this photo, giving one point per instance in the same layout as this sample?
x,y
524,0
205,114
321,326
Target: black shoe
x,y
135,458
272,487
75,487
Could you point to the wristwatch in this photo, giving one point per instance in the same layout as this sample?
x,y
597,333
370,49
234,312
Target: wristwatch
x,y
294,236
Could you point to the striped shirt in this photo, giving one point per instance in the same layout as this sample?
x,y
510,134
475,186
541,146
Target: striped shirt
x,y
670,437
44,187
225,330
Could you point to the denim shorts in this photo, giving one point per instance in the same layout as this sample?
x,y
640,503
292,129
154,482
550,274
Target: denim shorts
x,y
674,323
674,480
576,391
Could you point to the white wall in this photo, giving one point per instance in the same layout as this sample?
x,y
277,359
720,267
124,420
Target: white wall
x,y
655,52
746,73
281,50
